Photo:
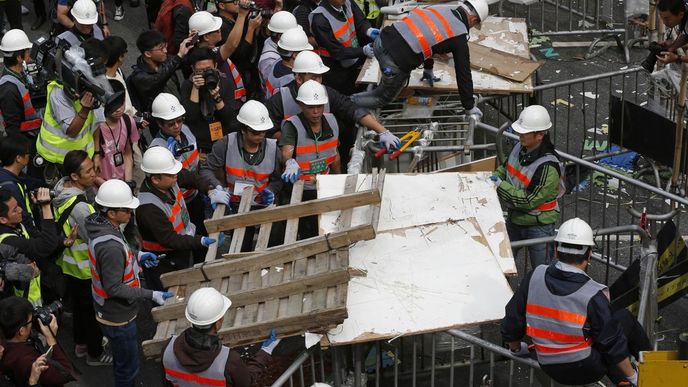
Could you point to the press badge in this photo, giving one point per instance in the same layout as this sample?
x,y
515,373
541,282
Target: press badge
x,y
317,166
215,130
118,158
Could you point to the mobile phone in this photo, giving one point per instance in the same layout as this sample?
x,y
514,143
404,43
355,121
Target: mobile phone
x,y
49,353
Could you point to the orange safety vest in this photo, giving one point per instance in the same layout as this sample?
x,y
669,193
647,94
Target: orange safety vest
x,y
177,214
344,31
236,168
314,155
425,27
131,268
176,374
32,120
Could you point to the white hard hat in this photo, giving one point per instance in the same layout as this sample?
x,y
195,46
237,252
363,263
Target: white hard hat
x,y
159,159
282,21
115,193
204,22
15,40
574,232
206,306
481,8
85,12
309,62
294,40
534,118
312,93
255,115
167,107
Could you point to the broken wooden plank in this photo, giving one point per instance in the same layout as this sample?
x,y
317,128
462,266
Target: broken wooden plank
x,y
501,63
212,249
313,207
292,227
244,207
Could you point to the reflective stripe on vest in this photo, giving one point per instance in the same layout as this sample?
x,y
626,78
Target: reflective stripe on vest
x,y
268,58
373,9
189,160
344,31
274,83
74,259
520,176
289,105
308,150
239,90
425,27
53,143
131,268
34,296
74,40
176,374
236,168
177,214
31,121
555,323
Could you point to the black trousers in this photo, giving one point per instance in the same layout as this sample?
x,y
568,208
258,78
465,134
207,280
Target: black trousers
x,y
86,329
595,366
12,9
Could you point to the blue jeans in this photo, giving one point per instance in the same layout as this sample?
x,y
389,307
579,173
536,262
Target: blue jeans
x,y
393,79
540,254
125,352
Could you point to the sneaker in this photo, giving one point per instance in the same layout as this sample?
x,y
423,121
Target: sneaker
x,y
105,359
119,13
80,350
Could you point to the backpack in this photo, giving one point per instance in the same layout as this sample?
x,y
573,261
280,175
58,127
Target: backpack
x,y
164,23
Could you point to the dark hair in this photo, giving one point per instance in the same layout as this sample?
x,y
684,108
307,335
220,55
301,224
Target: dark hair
x,y
12,146
95,48
73,160
673,6
11,58
198,54
5,196
572,258
13,314
147,40
116,47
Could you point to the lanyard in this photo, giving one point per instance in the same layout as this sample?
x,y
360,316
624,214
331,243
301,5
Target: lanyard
x,y
112,134
316,138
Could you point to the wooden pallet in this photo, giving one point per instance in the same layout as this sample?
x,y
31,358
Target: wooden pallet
x,y
295,287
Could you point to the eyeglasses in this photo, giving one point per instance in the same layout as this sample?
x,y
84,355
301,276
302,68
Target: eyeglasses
x,y
127,210
172,123
163,48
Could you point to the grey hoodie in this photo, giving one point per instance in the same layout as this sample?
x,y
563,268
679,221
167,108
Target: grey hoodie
x,y
110,258
80,211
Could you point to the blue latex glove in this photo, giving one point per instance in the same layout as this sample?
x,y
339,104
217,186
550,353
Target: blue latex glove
x,y
172,146
497,180
207,241
218,196
429,76
373,33
271,342
266,197
148,260
389,140
160,297
291,171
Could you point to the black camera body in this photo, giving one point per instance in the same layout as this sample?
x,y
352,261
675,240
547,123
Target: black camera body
x,y
211,78
649,62
255,10
139,117
184,149
44,313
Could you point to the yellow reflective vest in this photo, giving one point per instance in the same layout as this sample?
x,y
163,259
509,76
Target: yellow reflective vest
x,y
74,260
34,297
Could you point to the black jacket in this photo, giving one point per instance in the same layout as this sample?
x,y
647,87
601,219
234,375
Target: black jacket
x,y
301,12
322,32
606,333
144,83
408,60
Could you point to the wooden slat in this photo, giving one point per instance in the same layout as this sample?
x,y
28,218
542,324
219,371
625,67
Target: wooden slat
x,y
289,211
379,185
347,214
212,249
292,228
244,207
264,235
270,257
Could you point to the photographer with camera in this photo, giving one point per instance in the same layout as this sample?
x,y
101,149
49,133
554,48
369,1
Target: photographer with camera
x,y
17,112
15,155
207,99
154,71
240,28
290,44
73,203
85,27
23,348
673,13
71,116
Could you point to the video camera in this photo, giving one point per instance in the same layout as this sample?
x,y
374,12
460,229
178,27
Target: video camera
x,y
255,10
69,66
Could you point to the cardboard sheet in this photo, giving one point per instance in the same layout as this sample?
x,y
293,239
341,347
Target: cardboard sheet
x,y
439,259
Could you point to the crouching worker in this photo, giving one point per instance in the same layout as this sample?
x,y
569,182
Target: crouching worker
x,y
577,336
198,356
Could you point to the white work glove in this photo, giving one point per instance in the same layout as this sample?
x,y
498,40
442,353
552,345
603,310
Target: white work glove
x,y
218,196
633,378
291,172
368,51
160,297
522,351
389,140
475,112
